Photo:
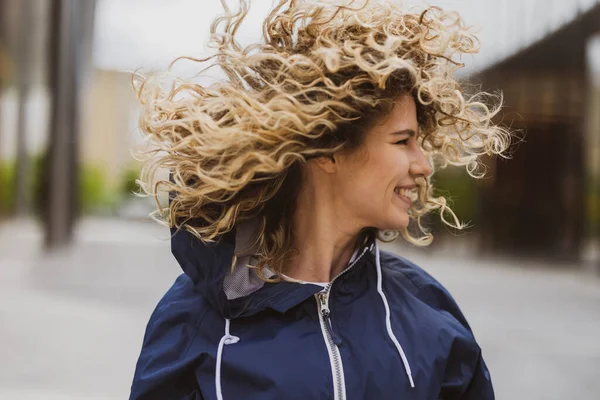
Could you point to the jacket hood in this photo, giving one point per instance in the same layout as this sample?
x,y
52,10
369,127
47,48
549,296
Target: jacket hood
x,y
241,293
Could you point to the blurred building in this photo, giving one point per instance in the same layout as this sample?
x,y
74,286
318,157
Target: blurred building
x,y
108,125
46,58
545,200
109,129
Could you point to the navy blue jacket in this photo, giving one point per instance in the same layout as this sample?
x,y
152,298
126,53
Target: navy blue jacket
x,y
383,329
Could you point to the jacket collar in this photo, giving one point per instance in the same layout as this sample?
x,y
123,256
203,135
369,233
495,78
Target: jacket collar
x,y
242,293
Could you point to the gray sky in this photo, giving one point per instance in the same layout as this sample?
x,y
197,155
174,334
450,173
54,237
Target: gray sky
x,y
148,34
130,34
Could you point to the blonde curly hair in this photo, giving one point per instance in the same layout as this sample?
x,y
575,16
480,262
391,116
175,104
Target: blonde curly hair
x,y
322,74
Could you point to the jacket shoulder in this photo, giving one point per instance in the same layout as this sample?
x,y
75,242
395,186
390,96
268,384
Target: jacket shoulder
x,y
466,376
418,280
165,366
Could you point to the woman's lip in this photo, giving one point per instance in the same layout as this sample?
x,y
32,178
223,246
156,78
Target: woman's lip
x,y
405,199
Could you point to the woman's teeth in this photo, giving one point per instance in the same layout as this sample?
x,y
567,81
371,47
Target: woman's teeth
x,y
403,191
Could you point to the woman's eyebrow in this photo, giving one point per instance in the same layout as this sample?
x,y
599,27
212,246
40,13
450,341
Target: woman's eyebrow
x,y
409,132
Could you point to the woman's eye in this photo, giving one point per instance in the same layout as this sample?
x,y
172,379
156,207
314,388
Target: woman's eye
x,y
403,142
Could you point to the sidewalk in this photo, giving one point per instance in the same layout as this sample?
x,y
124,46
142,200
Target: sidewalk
x,y
71,324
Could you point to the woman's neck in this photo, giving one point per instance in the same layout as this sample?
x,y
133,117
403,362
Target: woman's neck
x,y
324,235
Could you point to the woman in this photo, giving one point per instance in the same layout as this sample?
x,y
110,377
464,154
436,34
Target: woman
x,y
322,139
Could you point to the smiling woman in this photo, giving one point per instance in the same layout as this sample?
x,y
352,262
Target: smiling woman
x,y
283,177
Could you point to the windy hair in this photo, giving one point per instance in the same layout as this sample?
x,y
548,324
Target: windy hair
x,y
320,76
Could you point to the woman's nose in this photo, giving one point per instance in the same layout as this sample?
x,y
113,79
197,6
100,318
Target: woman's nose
x,y
420,164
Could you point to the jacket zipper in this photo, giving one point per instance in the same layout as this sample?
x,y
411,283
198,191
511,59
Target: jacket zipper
x,y
332,341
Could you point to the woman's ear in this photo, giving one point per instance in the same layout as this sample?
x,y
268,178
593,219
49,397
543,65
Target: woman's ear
x,y
326,163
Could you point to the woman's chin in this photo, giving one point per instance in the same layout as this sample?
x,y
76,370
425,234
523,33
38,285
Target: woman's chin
x,y
398,223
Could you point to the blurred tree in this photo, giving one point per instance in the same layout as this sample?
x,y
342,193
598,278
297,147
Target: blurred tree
x,y
71,30
3,62
21,177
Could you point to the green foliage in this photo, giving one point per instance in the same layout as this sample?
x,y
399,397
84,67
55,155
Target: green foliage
x,y
7,191
93,191
94,194
128,182
7,183
592,200
460,190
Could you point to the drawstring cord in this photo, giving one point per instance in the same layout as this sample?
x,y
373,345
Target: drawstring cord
x,y
388,323
226,339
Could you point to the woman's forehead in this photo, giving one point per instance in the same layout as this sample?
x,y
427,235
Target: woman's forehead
x,y
402,118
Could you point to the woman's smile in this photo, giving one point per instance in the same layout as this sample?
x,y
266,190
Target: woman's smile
x,y
401,194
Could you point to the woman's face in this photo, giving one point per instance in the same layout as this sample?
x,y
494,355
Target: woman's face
x,y
373,177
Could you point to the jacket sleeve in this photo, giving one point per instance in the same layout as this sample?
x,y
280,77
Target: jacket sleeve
x,y
480,386
165,369
466,376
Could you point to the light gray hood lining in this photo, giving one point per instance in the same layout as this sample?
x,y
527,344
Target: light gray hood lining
x,y
244,281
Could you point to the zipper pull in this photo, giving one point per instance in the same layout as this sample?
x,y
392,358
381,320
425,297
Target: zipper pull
x,y
323,300
326,313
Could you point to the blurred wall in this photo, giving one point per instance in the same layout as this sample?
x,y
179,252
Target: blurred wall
x,y
108,128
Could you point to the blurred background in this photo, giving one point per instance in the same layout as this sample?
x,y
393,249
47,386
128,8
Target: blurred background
x,y
82,267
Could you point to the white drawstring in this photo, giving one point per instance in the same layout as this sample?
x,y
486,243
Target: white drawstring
x,y
226,339
388,323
